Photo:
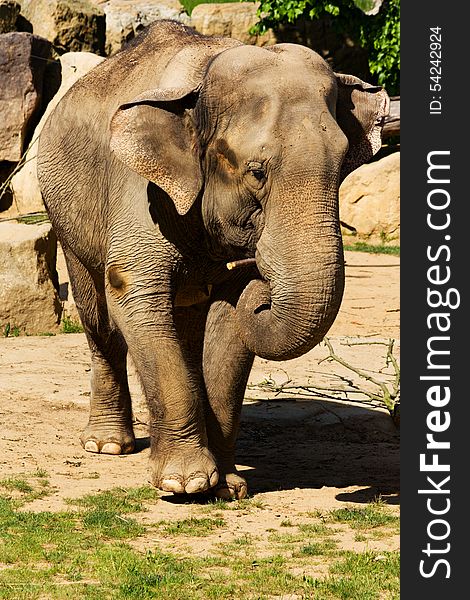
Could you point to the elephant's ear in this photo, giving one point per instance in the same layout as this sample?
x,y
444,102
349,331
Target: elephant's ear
x,y
361,109
153,136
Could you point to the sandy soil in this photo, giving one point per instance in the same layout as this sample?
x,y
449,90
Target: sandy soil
x,y
307,441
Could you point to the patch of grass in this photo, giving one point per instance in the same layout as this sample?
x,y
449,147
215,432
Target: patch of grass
x,y
41,473
362,576
372,515
245,504
286,523
367,578
193,526
315,529
17,484
373,249
10,330
242,544
25,488
318,548
109,524
118,500
71,326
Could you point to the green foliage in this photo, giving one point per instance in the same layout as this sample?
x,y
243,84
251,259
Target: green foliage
x,y
71,326
190,5
34,218
9,331
372,248
378,34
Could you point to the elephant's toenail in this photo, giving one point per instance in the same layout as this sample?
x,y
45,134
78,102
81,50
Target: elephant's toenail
x,y
91,446
198,484
111,448
172,485
242,492
214,478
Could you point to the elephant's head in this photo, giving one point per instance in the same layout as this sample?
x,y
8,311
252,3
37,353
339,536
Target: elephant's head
x,y
264,138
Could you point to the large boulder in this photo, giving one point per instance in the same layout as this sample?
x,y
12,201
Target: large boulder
x,y
29,301
23,58
369,201
9,11
24,185
232,20
125,18
71,25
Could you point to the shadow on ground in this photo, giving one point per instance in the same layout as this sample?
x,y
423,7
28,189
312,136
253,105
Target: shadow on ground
x,y
310,444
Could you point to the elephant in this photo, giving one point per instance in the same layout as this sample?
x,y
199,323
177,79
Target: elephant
x,y
173,157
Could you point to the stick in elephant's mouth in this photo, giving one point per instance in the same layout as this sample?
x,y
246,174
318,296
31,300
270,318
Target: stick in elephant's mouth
x,y
245,262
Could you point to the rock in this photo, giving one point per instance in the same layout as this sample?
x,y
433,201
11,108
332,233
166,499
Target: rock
x,y
232,20
369,201
22,62
71,25
125,18
9,11
28,297
24,185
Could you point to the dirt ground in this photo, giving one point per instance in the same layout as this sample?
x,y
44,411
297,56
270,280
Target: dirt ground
x,y
307,442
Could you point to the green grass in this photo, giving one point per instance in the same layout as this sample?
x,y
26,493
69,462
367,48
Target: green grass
x,y
71,326
246,504
11,331
371,516
373,249
315,529
85,553
118,500
25,488
195,527
359,576
318,548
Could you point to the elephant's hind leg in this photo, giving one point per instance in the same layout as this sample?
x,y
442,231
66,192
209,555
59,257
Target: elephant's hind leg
x,y
109,428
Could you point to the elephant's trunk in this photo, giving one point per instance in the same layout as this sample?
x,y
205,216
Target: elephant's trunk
x,y
300,257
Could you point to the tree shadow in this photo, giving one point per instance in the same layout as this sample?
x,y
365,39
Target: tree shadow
x,y
315,443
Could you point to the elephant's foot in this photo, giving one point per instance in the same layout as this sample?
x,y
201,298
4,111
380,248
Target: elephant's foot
x,y
231,486
108,441
190,471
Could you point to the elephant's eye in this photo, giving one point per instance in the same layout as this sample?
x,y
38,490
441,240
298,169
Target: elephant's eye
x,y
258,174
256,170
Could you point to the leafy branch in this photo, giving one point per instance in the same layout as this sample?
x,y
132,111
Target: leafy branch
x,y
388,397
379,33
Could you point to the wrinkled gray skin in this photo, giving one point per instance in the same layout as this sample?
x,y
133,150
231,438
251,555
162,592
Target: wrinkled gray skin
x,y
167,160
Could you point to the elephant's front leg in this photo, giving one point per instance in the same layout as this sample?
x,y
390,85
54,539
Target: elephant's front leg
x,y
180,459
227,364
